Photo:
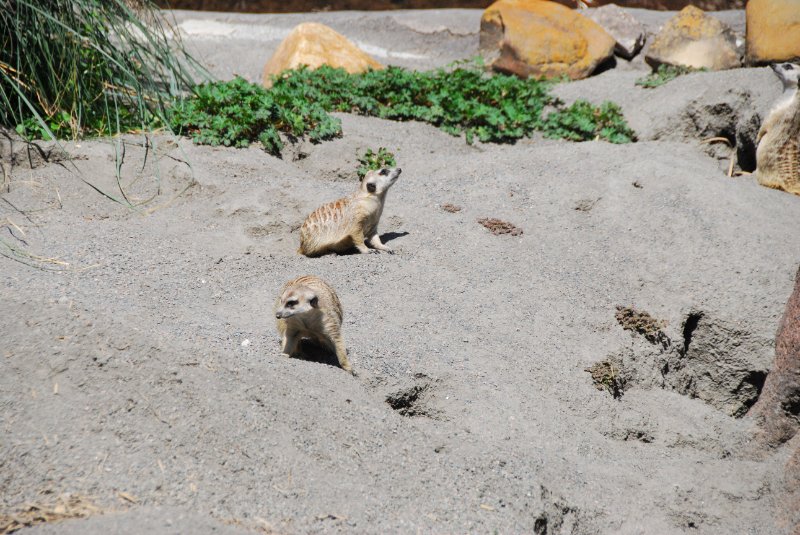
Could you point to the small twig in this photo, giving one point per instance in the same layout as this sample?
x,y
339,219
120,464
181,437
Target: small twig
x,y
717,139
733,161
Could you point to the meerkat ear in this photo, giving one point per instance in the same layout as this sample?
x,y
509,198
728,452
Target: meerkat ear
x,y
314,302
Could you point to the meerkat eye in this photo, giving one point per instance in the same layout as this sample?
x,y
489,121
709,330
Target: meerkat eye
x,y
384,172
292,303
371,187
788,66
314,301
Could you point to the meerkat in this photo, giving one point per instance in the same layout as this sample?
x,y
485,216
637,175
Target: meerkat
x,y
308,308
778,141
351,222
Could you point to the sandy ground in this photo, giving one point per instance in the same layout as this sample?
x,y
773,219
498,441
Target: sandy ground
x,y
140,363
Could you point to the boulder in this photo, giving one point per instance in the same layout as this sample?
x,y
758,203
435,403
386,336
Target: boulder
x,y
542,38
628,32
778,408
314,45
773,31
693,39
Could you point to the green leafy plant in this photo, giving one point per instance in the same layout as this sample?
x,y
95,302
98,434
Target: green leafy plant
x,y
462,100
459,100
77,67
371,161
582,121
237,113
665,73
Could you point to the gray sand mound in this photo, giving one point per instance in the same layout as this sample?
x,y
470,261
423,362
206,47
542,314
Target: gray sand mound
x,y
146,374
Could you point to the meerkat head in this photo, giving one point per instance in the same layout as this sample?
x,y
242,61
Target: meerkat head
x,y
788,73
297,300
378,182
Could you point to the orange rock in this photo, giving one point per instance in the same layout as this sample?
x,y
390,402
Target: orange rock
x,y
773,31
693,39
314,45
542,38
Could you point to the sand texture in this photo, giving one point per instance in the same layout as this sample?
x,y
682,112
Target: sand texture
x,y
140,365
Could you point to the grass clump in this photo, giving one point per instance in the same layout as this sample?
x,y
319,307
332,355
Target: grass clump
x,y
665,73
607,375
371,161
70,68
466,101
643,323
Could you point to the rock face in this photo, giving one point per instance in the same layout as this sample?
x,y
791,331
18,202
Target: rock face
x,y
694,39
314,45
626,30
542,38
773,30
778,408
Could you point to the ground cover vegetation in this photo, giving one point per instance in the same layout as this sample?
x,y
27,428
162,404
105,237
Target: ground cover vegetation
x,y
374,160
462,100
77,68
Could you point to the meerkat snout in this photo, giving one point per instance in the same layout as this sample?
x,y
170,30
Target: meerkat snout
x,y
379,181
292,304
788,73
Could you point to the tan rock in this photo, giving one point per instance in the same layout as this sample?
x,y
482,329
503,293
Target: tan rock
x,y
693,39
314,45
773,31
542,38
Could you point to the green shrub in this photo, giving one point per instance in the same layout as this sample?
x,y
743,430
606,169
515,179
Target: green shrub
x,y
463,100
76,67
237,113
582,121
665,73
495,108
371,161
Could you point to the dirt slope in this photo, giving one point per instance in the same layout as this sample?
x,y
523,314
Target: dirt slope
x,y
146,376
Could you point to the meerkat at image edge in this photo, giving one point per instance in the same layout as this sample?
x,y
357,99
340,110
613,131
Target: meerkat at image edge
x,y
778,141
350,222
309,308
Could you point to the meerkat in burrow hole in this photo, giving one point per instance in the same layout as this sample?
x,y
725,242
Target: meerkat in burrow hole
x,y
309,309
351,222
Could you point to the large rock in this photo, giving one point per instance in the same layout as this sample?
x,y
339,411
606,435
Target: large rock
x,y
778,408
773,30
542,38
694,39
314,45
626,30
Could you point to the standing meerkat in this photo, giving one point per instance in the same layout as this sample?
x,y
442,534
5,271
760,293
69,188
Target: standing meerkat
x,y
350,222
778,152
308,308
